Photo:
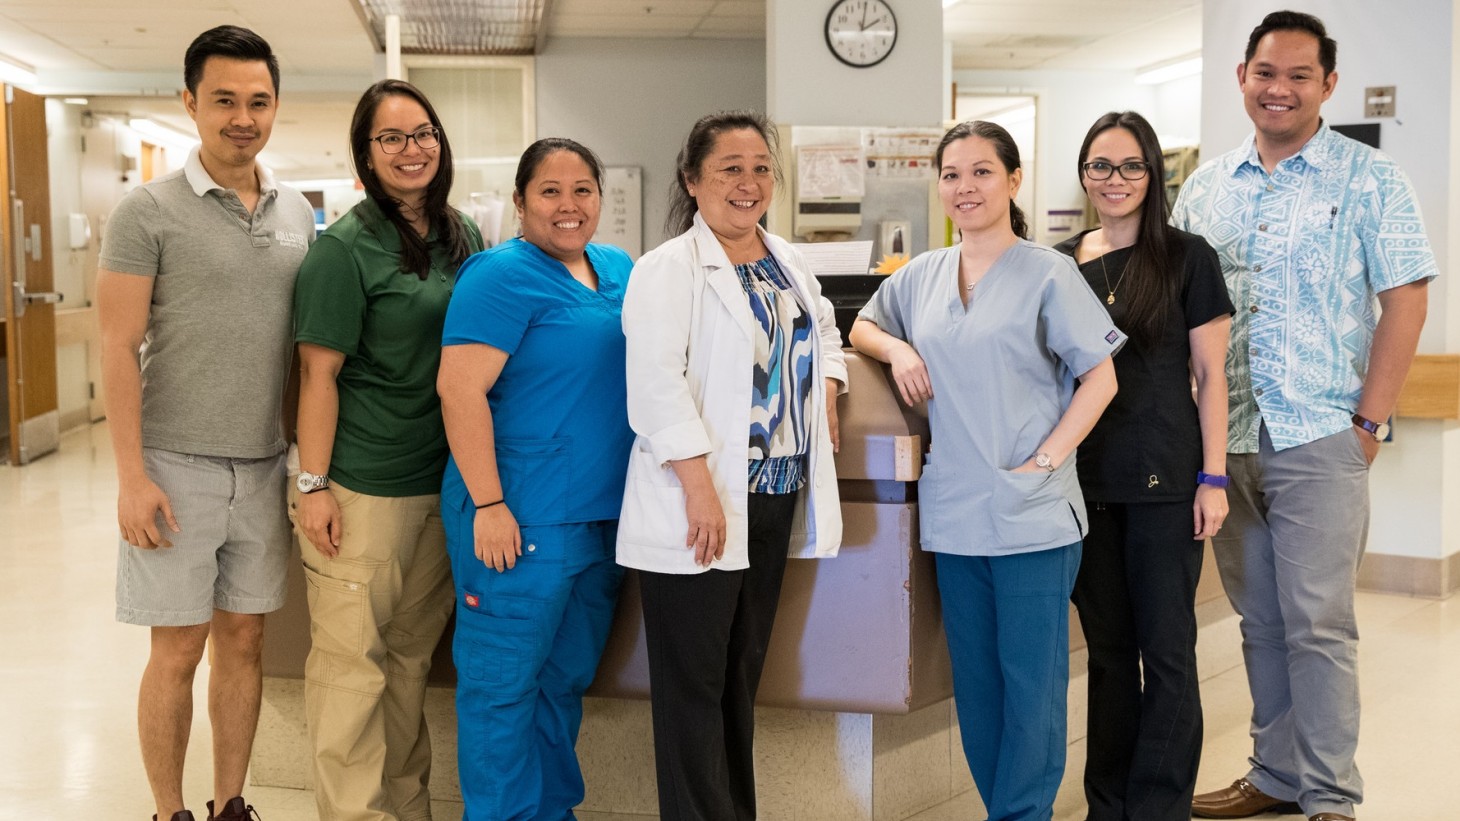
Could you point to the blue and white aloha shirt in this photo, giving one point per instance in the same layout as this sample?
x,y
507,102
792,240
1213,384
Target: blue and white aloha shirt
x,y
1304,250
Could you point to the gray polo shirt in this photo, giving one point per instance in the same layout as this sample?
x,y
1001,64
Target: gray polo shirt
x,y
219,334
1003,372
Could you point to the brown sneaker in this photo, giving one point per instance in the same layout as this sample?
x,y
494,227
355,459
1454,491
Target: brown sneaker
x,y
234,810
180,815
1241,800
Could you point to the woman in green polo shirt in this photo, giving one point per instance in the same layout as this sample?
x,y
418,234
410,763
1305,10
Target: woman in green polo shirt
x,y
368,309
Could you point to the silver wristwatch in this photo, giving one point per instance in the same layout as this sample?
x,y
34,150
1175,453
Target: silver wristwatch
x,y
309,483
1042,460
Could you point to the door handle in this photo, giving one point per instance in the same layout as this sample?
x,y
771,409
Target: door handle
x,y
42,297
22,297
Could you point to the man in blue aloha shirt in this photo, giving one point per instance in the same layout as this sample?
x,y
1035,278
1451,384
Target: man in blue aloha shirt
x,y
1310,227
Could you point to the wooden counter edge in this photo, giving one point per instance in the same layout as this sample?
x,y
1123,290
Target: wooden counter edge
x,y
1432,389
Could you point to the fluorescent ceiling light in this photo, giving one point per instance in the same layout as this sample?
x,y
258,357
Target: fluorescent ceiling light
x,y
1169,70
161,134
76,101
14,72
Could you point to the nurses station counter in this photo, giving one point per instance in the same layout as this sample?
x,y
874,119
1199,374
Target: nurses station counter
x,y
856,718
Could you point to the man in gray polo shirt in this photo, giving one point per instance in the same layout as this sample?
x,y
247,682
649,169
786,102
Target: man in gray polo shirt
x,y
196,281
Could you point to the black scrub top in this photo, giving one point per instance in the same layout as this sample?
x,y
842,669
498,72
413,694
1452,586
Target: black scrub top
x,y
1147,445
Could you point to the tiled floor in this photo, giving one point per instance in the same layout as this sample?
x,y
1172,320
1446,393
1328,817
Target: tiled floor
x,y
69,749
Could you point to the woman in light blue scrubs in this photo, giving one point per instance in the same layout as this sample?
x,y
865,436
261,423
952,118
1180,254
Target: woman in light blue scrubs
x,y
532,392
1012,352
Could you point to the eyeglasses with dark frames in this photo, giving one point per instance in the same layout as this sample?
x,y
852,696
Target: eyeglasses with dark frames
x,y
1101,170
395,142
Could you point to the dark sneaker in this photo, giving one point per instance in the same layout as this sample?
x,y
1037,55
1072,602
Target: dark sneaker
x,y
182,815
234,810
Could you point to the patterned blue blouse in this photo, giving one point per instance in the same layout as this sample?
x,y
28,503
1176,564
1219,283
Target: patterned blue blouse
x,y
779,431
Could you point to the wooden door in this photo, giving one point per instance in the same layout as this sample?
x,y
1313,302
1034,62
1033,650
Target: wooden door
x,y
30,311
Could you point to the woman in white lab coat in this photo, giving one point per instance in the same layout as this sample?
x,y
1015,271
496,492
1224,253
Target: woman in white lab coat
x,y
734,366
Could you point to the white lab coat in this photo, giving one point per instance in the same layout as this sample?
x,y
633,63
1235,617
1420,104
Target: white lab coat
x,y
689,329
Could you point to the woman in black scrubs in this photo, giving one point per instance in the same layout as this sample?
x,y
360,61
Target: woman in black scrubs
x,y
1153,472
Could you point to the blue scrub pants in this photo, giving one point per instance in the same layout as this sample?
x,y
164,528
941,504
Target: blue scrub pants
x,y
527,645
1007,620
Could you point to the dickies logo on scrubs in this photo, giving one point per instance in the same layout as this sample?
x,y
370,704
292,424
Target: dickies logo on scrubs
x,y
1112,336
291,239
472,600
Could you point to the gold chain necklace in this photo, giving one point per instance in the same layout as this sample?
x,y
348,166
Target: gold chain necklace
x,y
1110,291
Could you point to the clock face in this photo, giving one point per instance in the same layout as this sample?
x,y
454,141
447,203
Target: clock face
x,y
861,33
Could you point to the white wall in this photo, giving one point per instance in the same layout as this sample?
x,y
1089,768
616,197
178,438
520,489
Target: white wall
x,y
63,147
73,270
1176,111
806,85
1416,478
633,101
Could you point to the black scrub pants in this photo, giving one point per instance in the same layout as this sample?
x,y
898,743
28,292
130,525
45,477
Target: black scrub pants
x,y
1136,595
707,635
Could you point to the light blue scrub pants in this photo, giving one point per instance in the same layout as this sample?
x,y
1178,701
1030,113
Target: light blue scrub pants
x,y
1008,621
527,645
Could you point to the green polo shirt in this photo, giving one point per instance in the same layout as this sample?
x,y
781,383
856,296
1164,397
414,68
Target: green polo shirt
x,y
352,296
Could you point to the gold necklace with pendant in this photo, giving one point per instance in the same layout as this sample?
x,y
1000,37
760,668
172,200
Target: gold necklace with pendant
x,y
1110,291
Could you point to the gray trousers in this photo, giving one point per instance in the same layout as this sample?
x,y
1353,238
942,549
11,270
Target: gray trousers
x,y
1288,555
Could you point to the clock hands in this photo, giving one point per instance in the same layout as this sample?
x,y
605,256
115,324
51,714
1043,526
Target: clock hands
x,y
866,26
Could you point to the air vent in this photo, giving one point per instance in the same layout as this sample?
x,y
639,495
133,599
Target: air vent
x,y
477,27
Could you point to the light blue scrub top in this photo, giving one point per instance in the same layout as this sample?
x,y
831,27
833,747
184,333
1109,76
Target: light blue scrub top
x,y
559,408
1003,372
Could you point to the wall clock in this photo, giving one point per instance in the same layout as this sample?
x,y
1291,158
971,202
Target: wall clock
x,y
861,33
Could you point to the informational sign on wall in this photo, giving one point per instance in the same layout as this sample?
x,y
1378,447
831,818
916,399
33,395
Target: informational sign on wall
x,y
900,153
621,222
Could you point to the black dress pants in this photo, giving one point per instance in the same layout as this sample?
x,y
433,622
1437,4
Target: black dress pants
x,y
1136,594
707,635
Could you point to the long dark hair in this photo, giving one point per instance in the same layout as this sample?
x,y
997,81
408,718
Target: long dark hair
x,y
415,254
697,146
1150,282
1004,148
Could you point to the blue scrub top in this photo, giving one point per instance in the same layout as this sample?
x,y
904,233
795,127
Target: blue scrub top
x,y
559,407
1003,371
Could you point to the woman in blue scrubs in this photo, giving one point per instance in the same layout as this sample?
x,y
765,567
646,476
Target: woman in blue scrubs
x,y
532,391
1012,353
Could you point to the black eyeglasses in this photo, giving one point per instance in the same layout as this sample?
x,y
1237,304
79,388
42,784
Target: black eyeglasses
x,y
1099,170
395,142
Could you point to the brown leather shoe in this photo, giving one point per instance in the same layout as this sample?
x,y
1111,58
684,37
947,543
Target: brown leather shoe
x,y
1241,800
1330,816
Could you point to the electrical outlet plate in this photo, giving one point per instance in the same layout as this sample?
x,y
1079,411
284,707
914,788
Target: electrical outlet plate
x,y
1379,101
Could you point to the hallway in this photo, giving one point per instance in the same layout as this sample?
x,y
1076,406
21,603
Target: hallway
x,y
71,671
